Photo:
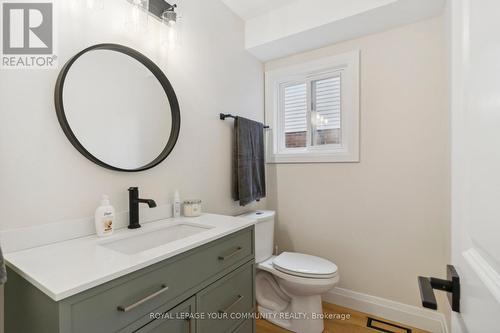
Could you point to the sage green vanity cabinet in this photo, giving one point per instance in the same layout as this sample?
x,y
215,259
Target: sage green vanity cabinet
x,y
215,278
248,326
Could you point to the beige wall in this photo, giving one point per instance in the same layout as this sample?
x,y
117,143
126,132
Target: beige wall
x,y
384,220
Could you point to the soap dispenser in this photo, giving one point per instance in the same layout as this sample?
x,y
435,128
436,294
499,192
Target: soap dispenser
x,y
104,217
176,207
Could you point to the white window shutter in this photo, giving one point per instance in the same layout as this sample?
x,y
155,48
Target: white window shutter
x,y
327,102
295,108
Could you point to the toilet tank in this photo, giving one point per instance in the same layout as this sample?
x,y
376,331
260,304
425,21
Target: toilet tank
x,y
264,233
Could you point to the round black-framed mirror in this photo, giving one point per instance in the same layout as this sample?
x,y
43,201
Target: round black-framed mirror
x,y
172,123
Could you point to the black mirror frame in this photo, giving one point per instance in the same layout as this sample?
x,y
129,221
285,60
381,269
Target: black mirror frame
x,y
157,72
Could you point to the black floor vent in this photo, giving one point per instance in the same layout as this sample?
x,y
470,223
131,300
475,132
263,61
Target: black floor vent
x,y
386,327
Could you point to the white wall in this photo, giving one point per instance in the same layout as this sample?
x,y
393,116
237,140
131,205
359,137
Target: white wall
x,y
385,220
44,179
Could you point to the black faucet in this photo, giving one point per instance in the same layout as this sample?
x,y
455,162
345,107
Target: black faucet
x,y
133,203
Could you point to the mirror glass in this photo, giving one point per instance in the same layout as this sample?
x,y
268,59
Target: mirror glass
x,y
117,109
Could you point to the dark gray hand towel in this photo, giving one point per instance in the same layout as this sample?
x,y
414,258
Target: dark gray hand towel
x,y
3,272
249,179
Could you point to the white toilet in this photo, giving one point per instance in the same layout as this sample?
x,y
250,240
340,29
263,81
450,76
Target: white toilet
x,y
289,286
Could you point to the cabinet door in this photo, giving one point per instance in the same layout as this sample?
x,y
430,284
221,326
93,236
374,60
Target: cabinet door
x,y
246,327
176,320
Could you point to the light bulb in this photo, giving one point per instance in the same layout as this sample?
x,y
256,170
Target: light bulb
x,y
170,29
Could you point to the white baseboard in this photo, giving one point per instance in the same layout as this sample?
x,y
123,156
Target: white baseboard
x,y
424,319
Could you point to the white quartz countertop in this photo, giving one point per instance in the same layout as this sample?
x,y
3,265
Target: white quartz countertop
x,y
67,268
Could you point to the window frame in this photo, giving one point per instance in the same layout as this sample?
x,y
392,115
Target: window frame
x,y
347,66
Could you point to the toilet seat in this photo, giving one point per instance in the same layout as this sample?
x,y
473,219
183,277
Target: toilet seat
x,y
268,266
304,265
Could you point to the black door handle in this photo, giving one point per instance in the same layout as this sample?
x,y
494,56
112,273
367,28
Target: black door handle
x,y
451,286
426,293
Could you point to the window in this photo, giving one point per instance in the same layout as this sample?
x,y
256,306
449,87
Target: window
x,y
313,110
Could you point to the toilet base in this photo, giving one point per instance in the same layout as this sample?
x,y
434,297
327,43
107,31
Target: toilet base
x,y
277,318
299,315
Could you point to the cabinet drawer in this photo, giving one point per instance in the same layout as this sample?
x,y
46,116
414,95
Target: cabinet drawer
x,y
176,320
228,299
132,298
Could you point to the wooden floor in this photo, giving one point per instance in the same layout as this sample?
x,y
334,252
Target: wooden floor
x,y
356,323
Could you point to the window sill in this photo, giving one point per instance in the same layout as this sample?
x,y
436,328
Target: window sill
x,y
314,157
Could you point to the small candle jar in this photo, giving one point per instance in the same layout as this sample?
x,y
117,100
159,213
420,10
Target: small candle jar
x,y
192,208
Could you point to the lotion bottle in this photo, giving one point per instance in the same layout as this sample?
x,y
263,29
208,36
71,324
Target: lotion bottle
x,y
176,205
104,218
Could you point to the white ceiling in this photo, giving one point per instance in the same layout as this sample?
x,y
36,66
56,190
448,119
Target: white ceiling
x,y
248,9
278,28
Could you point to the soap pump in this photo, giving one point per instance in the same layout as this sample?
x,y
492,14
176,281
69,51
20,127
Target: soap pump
x,y
104,217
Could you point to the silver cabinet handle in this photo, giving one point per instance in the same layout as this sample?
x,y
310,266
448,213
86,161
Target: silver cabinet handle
x,y
238,250
122,308
226,310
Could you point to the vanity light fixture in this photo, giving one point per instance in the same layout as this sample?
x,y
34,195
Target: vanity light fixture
x,y
156,8
161,10
169,15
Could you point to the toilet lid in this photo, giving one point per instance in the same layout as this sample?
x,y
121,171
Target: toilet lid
x,y
304,265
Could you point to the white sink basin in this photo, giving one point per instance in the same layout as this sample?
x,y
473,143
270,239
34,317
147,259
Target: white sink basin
x,y
154,238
